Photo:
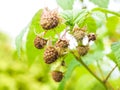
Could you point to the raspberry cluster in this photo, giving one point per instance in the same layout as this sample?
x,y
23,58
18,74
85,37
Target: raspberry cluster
x,y
49,20
52,53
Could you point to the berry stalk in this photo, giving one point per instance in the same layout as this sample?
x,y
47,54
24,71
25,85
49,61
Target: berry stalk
x,y
110,74
79,60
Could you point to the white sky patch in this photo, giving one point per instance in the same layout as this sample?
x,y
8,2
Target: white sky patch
x,y
16,14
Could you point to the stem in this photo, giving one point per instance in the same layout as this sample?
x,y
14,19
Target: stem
x,y
106,79
64,34
106,11
90,70
79,59
100,70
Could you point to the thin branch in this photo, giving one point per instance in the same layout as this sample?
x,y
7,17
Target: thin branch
x,y
64,34
79,59
106,79
99,67
106,11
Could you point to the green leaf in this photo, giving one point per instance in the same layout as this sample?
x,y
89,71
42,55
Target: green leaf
x,y
31,51
65,4
91,24
73,64
92,57
99,18
57,30
73,17
77,13
18,41
95,53
80,16
106,11
101,3
92,83
116,50
112,27
68,16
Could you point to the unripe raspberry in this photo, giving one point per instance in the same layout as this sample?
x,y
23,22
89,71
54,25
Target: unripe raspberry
x,y
62,43
50,55
57,76
39,42
82,50
49,19
91,36
78,33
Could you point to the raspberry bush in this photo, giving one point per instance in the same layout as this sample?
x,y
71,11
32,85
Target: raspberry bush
x,y
75,38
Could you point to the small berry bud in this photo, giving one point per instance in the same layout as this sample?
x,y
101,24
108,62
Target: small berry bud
x,y
57,76
39,42
92,37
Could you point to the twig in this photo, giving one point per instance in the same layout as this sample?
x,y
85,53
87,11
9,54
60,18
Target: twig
x,y
106,11
100,70
106,79
79,59
64,34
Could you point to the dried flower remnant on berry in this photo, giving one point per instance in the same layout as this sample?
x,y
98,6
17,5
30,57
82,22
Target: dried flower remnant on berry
x,y
57,76
39,42
50,55
82,50
49,19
